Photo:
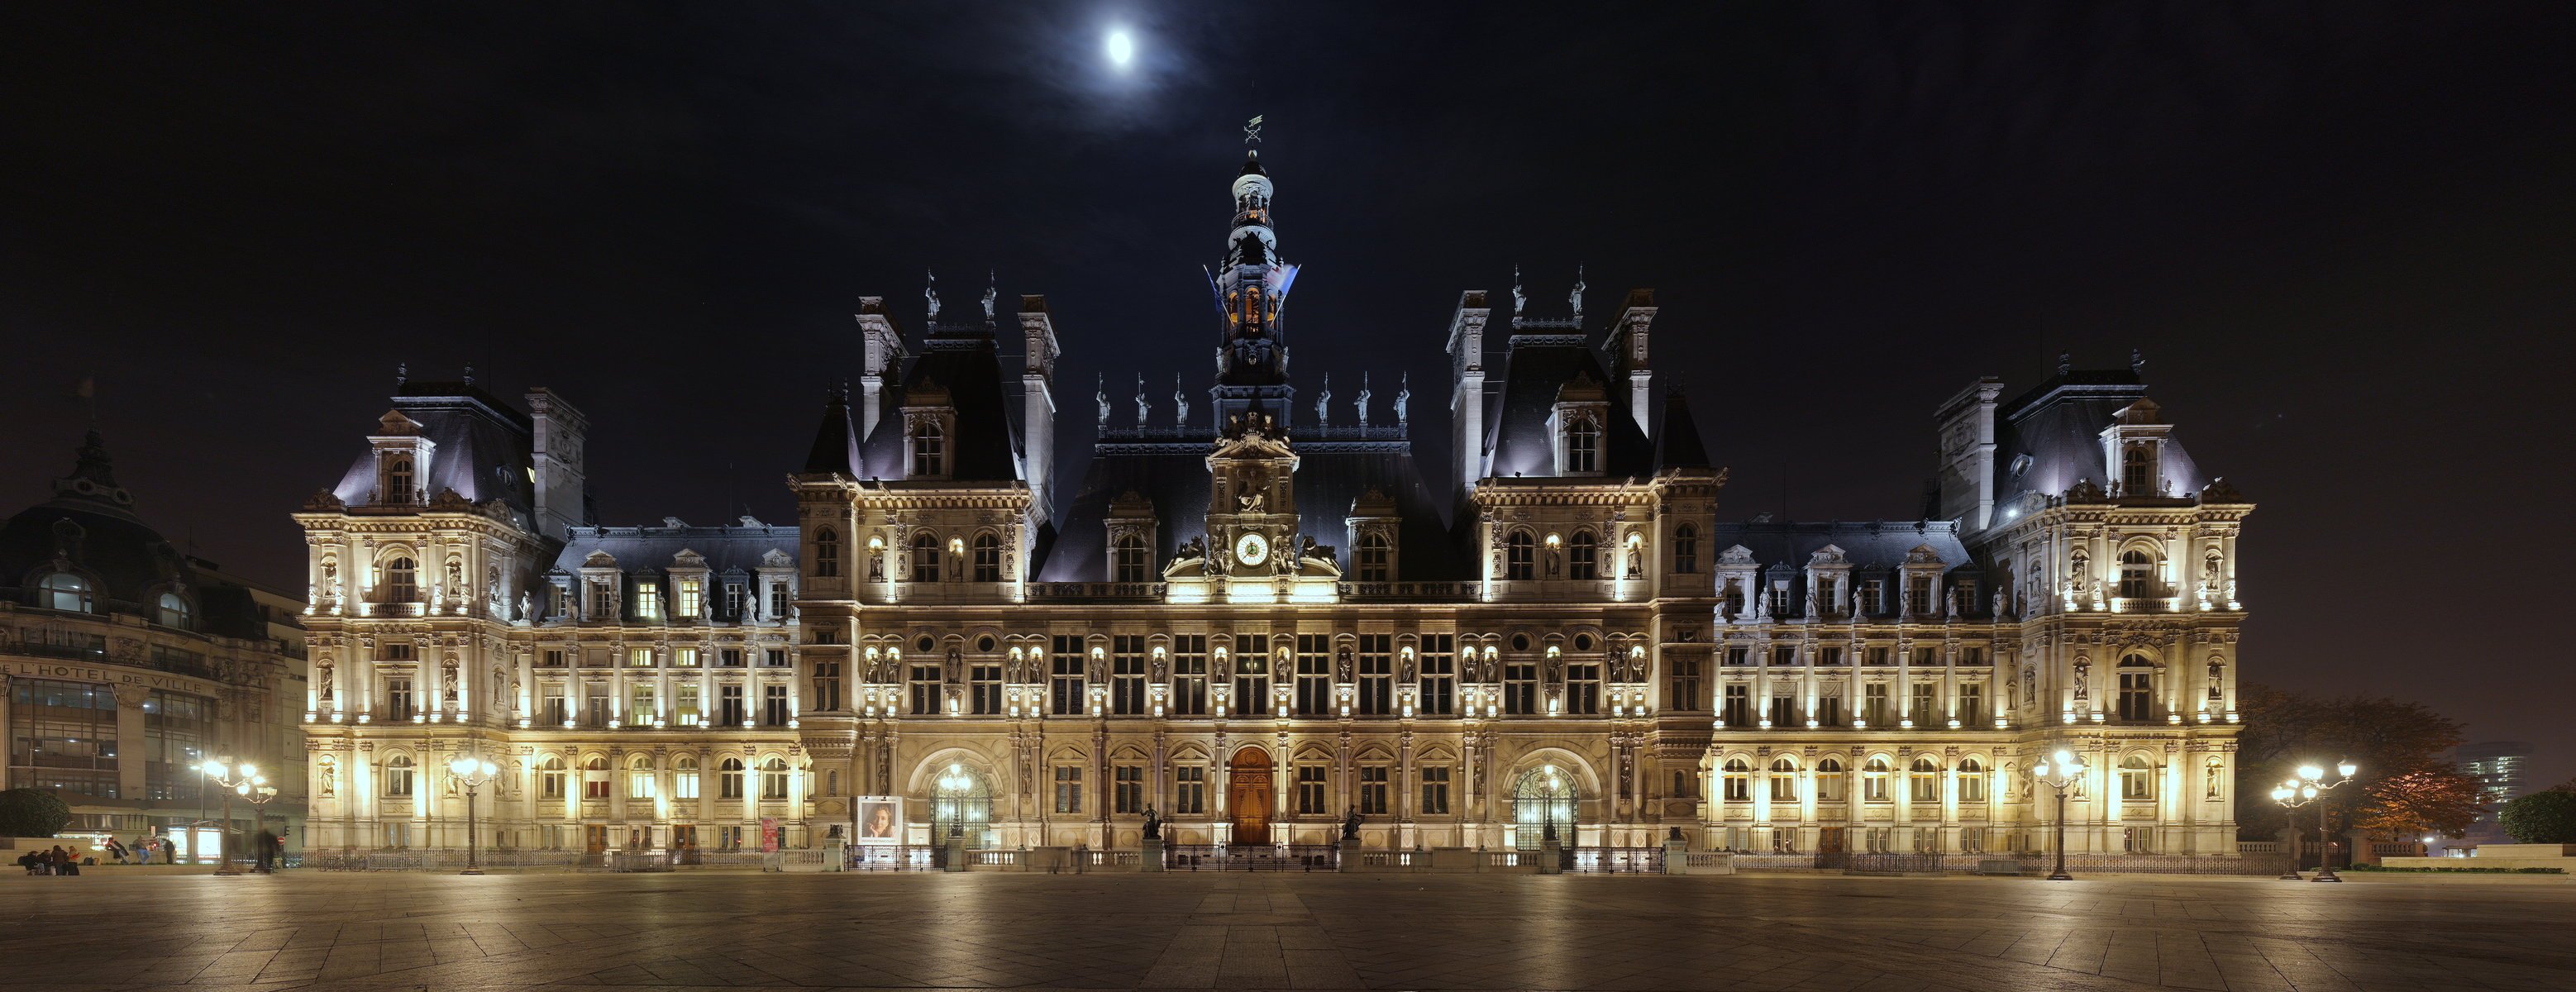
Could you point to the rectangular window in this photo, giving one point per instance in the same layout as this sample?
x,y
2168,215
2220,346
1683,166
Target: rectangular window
x,y
1784,711
1127,675
1068,788
1927,704
1583,689
640,703
648,600
1829,657
1189,675
1435,790
922,684
687,709
1739,656
1927,657
1065,687
827,686
63,738
1251,675
1783,656
639,657
774,658
729,705
733,599
1377,675
684,657
729,657
1780,600
1189,790
1873,705
1373,787
1876,656
773,705
1439,661
1310,790
684,781
1739,706
551,658
1683,684
399,705
986,690
594,705
1972,704
1128,791
1873,597
777,600
1520,687
1314,675
603,600
556,712
692,599
2137,692
1918,596
1972,657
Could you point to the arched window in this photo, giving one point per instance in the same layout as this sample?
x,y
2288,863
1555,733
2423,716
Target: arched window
x,y
402,580
1927,780
1582,447
1544,801
988,558
2137,574
1376,558
1584,562
1520,556
1738,786
64,591
2138,471
639,777
398,771
1685,549
827,552
2137,778
773,778
1972,781
2137,689
400,490
550,777
1128,561
1829,780
729,779
173,611
594,778
1873,780
684,777
1784,779
925,557
929,447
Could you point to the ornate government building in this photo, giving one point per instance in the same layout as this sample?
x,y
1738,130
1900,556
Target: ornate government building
x,y
1251,614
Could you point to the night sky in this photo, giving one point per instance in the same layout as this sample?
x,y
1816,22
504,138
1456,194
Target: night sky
x,y
2342,234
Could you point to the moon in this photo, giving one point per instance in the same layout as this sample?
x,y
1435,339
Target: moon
x,y
1122,48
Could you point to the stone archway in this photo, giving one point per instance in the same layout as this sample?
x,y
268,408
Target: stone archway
x,y
1248,798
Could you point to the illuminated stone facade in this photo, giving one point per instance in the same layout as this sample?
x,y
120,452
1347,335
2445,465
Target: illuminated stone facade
x,y
1254,622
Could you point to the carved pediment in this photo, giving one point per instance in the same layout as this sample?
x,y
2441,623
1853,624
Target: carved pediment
x,y
688,558
599,559
1922,555
1827,555
1737,555
394,424
775,558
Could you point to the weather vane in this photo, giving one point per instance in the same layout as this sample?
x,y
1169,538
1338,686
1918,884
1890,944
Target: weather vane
x,y
1252,130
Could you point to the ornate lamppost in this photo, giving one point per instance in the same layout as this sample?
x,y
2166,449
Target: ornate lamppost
x,y
259,799
243,778
471,772
2066,769
2309,787
952,786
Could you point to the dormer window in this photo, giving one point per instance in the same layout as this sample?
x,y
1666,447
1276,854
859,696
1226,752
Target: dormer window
x,y
1129,561
648,600
603,599
399,487
173,611
402,580
1375,558
64,591
929,448
1582,448
2138,470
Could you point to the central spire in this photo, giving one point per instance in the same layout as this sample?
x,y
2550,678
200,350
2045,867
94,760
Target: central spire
x,y
1250,285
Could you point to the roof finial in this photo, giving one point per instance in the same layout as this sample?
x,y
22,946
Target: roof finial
x,y
2065,362
469,375
1180,402
402,373
989,295
930,293
1324,400
1577,296
2137,362
1252,130
1520,299
1143,409
1364,398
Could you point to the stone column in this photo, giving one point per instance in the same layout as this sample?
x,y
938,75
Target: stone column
x,y
130,751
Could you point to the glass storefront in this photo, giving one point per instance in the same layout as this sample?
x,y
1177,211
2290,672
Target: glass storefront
x,y
63,737
177,730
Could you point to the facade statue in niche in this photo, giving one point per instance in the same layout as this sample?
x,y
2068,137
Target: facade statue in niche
x,y
1342,666
322,689
527,607
327,775
955,669
1250,502
2083,678
1162,667
1636,561
1404,671
2214,778
447,678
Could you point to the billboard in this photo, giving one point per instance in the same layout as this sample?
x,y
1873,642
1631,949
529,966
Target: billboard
x,y
879,819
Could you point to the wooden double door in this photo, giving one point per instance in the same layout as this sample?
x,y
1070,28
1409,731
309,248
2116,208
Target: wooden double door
x,y
1248,797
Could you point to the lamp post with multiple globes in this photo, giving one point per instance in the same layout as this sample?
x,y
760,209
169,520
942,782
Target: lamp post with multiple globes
x,y
235,779
471,772
259,798
2065,768
2309,786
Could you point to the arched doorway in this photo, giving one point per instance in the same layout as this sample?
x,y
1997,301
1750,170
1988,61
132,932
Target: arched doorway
x,y
961,801
1248,797
1544,802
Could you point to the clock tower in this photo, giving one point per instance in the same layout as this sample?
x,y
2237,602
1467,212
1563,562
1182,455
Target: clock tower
x,y
1252,502
1251,287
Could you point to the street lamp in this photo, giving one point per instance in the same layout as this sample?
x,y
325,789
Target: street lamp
x,y
472,772
259,797
242,777
1547,809
2309,787
2068,769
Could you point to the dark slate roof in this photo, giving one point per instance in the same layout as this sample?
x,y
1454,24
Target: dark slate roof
x,y
836,442
965,363
1173,475
1536,366
1875,549
484,447
2059,425
90,524
1677,442
650,550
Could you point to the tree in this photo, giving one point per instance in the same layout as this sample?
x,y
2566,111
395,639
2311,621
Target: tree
x,y
2542,817
2429,800
32,813
2391,741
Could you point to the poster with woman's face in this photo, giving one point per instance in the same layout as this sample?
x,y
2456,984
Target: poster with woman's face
x,y
880,819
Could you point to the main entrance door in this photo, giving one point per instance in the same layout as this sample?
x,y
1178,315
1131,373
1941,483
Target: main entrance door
x,y
1248,798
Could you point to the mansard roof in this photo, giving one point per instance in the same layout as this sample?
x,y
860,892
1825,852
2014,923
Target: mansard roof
x,y
1677,442
1173,475
1536,369
1867,545
90,529
727,547
484,447
2057,426
836,442
966,366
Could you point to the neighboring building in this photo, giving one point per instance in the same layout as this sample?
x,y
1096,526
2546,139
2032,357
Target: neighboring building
x,y
1252,621
2498,767
127,664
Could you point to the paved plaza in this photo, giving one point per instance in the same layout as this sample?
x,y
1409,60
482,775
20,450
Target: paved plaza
x,y
1760,931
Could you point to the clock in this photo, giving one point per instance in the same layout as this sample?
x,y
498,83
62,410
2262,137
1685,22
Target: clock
x,y
1251,549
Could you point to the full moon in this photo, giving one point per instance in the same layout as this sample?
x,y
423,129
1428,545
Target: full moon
x,y
1122,48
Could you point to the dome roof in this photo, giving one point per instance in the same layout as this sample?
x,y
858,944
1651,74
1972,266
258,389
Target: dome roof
x,y
89,528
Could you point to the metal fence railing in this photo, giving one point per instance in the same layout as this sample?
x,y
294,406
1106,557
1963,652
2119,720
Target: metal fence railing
x,y
1282,857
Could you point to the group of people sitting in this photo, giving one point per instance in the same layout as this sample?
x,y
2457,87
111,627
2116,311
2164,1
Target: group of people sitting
x,y
55,860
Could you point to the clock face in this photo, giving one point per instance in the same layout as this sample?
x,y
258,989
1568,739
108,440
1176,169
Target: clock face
x,y
1251,549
